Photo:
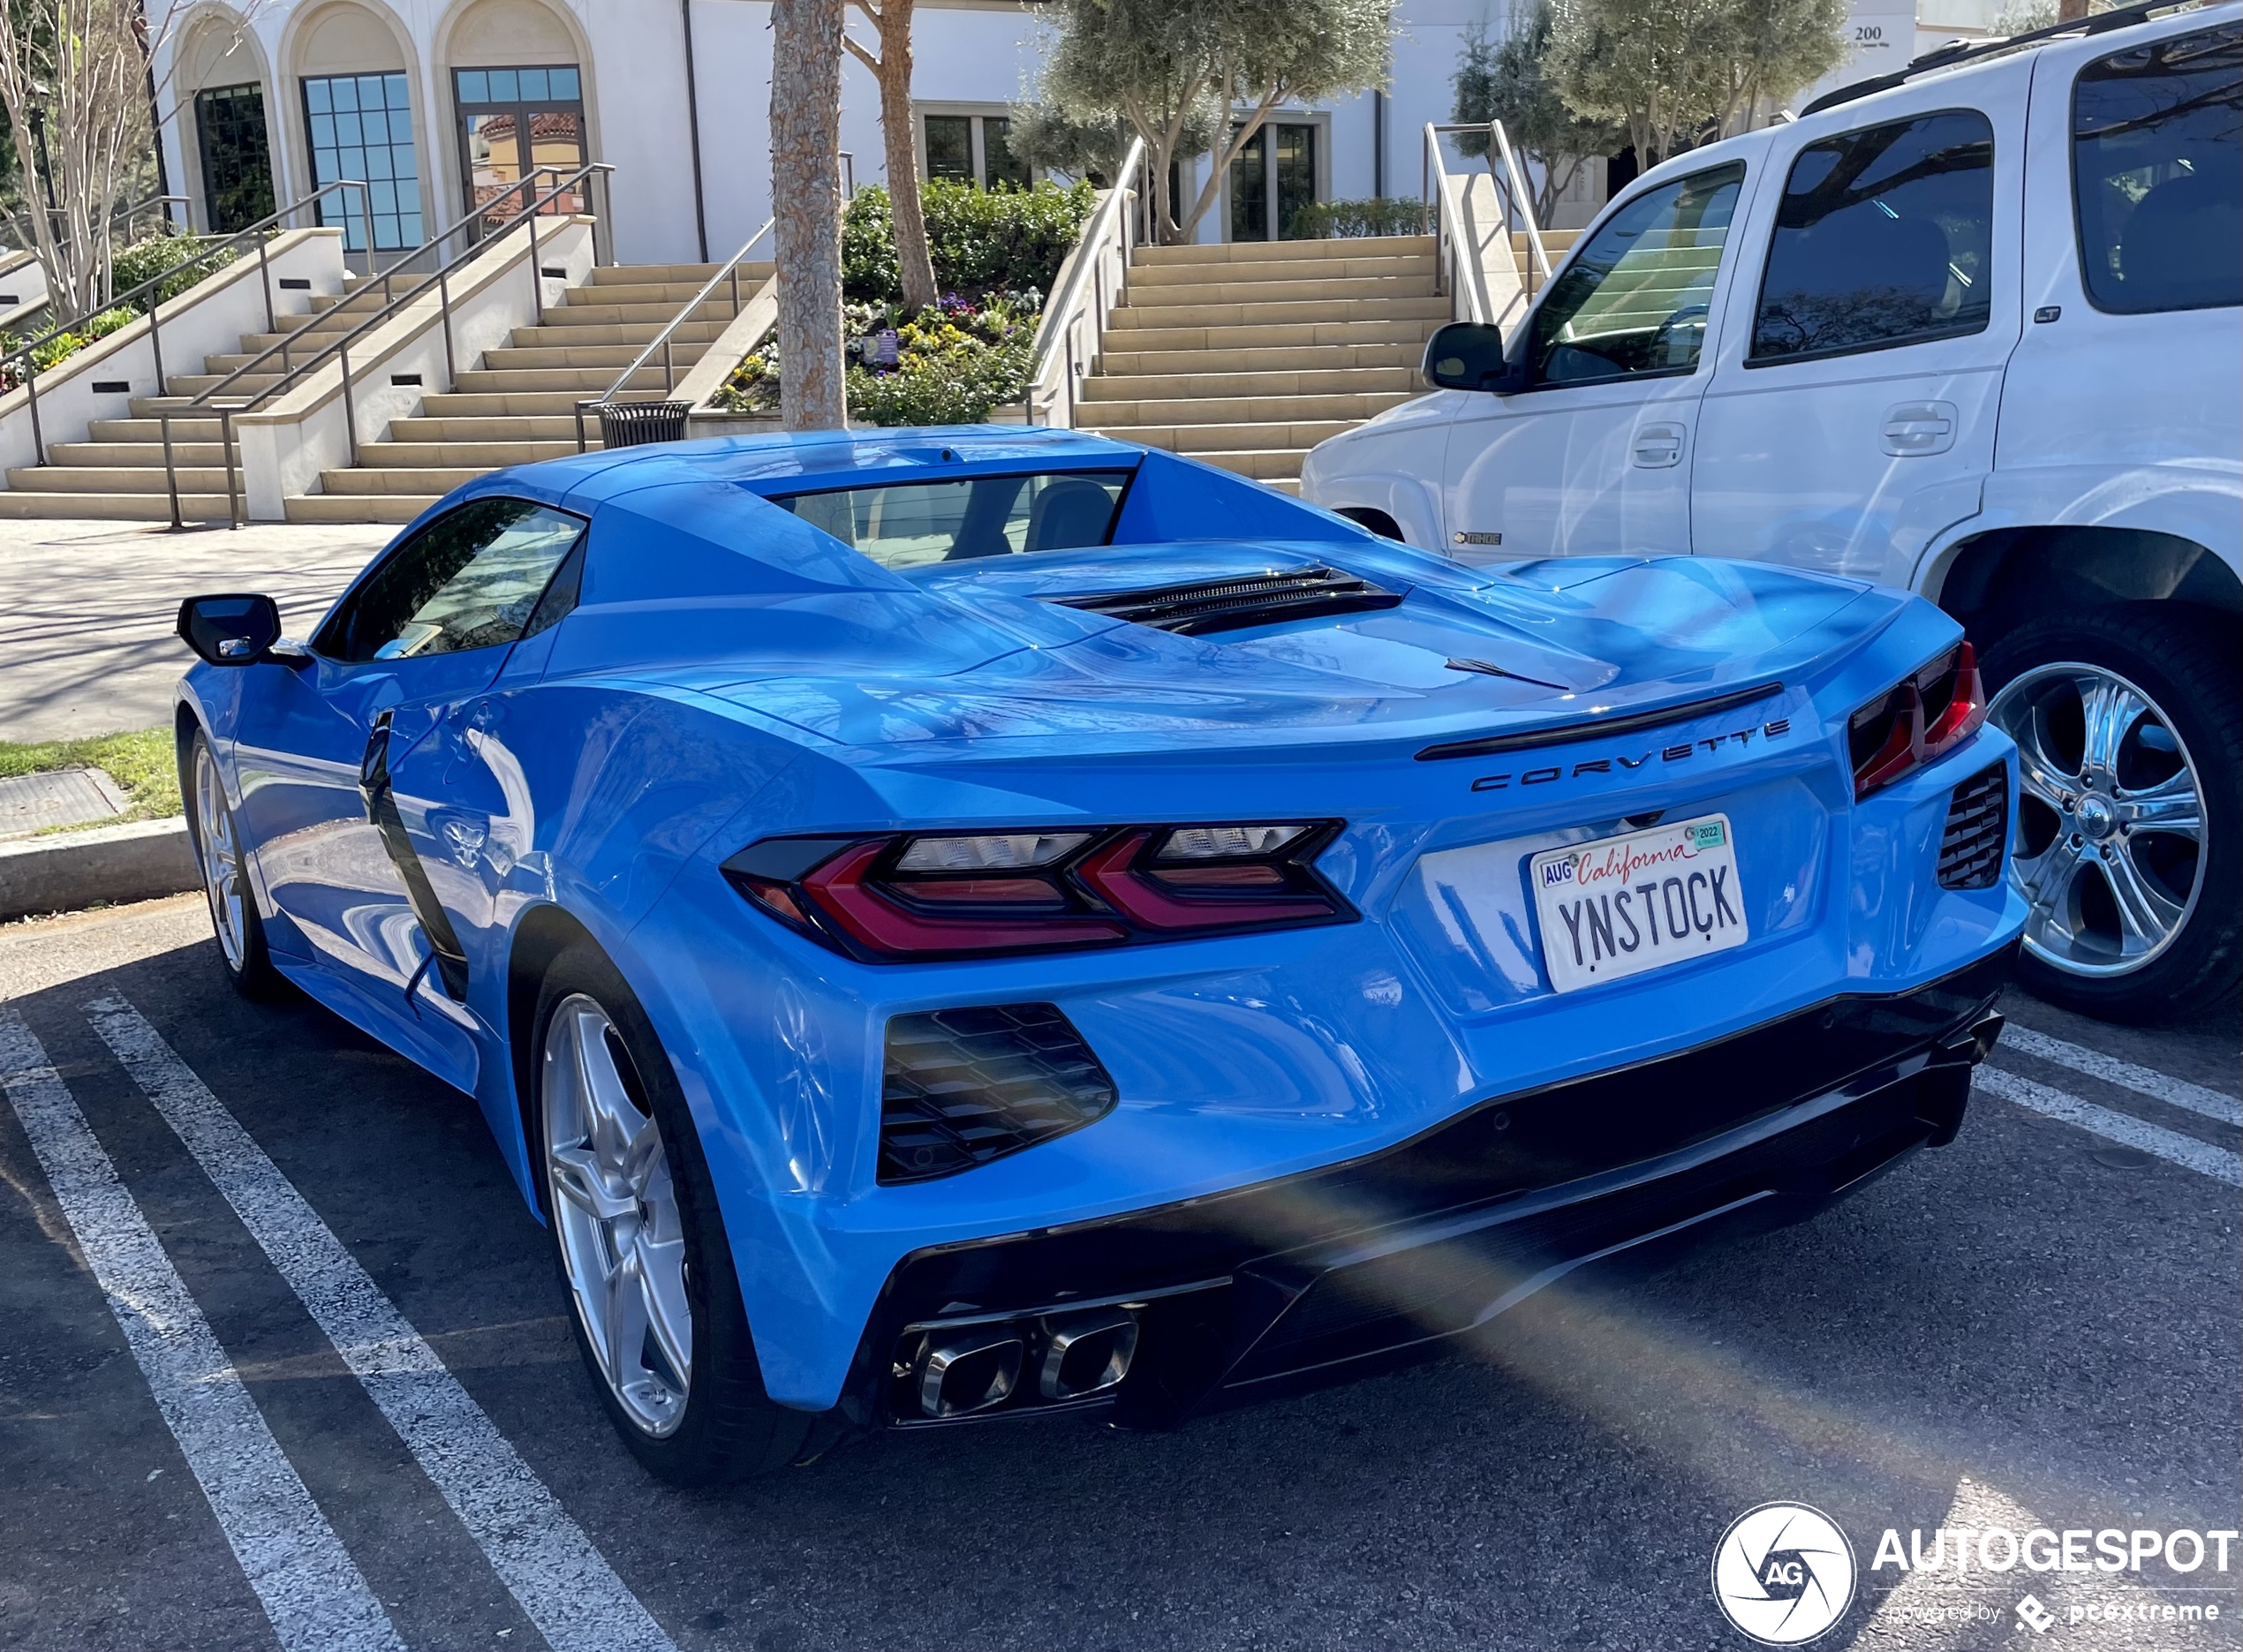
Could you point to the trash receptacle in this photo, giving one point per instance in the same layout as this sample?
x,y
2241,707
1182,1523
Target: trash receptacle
x,y
627,423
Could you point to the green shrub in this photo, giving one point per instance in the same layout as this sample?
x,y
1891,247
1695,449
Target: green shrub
x,y
63,346
1338,220
981,240
145,261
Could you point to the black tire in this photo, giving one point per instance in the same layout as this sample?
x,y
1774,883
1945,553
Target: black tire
x,y
730,1428
2176,656
246,960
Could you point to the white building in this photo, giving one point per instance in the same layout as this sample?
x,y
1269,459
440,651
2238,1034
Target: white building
x,y
427,99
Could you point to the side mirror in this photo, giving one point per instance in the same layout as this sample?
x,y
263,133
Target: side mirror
x,y
235,630
1469,356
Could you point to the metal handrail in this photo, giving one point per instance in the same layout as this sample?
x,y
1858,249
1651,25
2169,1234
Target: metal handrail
x,y
1063,316
260,232
339,348
1518,200
729,268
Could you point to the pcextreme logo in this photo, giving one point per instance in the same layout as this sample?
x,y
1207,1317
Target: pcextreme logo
x,y
1783,1573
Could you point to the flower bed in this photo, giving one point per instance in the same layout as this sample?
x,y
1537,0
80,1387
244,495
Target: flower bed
x,y
954,361
996,253
133,265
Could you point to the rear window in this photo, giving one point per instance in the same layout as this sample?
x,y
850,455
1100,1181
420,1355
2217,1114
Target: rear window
x,y
2157,174
908,525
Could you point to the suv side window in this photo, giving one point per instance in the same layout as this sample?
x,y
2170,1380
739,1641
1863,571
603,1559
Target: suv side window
x,y
1884,237
1633,302
470,579
2157,174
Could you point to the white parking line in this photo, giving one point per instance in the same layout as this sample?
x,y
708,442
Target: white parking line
x,y
2218,1163
563,1584
313,1592
2144,1080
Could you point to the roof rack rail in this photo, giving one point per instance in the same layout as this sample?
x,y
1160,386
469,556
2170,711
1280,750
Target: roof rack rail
x,y
1967,51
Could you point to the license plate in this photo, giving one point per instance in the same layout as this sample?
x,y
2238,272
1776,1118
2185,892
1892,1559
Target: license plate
x,y
1622,905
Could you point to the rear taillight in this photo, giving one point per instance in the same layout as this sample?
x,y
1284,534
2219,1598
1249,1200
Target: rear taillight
x,y
1923,717
893,897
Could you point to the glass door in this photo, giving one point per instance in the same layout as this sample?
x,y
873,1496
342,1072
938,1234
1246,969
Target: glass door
x,y
237,166
515,124
1272,177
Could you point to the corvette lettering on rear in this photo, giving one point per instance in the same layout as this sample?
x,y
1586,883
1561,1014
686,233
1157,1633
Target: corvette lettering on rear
x,y
1775,730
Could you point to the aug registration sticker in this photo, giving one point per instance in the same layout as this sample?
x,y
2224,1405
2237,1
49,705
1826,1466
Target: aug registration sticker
x,y
1622,905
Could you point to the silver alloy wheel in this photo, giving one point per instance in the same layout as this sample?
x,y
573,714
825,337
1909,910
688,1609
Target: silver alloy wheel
x,y
220,852
615,1209
2115,882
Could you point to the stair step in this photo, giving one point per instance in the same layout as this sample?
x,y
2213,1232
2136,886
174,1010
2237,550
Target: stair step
x,y
22,506
671,293
499,404
496,427
1252,412
582,380
395,454
1149,386
612,357
339,508
635,333
1263,252
1146,298
1277,359
1277,335
605,315
431,480
1322,312
1422,267
1210,438
80,479
134,454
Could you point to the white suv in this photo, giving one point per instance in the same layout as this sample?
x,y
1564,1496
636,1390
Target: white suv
x,y
1975,329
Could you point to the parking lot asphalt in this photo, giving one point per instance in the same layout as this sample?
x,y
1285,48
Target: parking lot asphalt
x,y
344,1322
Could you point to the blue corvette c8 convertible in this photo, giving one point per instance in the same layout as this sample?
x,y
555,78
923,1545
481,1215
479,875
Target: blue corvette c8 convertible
x,y
957,924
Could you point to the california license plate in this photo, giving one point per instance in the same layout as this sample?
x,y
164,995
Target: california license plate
x,y
1622,905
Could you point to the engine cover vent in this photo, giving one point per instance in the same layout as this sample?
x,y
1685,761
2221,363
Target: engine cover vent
x,y
1234,603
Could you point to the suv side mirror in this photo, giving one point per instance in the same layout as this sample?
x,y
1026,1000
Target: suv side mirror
x,y
234,630
1469,356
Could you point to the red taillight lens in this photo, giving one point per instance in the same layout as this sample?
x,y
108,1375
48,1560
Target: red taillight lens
x,y
1919,718
891,897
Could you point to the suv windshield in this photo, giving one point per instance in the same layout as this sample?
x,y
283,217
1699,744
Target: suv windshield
x,y
907,525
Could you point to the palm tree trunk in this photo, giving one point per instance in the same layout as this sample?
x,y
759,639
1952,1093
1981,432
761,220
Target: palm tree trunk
x,y
805,198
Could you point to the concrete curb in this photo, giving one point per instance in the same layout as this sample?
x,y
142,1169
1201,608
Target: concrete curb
x,y
70,869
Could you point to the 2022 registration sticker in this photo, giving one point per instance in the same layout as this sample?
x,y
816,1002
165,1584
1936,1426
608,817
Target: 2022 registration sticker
x,y
1621,906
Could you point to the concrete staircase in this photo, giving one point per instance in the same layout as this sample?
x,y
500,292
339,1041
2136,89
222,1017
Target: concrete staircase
x,y
1246,356
516,404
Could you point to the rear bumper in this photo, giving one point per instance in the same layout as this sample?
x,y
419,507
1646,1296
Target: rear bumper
x,y
1320,1277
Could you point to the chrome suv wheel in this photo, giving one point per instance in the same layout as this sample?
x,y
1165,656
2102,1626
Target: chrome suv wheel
x,y
2111,830
2128,719
615,1216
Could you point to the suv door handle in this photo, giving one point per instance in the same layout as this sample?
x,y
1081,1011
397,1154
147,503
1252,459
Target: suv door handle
x,y
1659,446
1919,427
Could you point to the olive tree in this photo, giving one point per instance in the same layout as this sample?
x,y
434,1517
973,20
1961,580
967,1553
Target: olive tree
x,y
806,199
1509,81
891,67
1677,71
80,69
1167,66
